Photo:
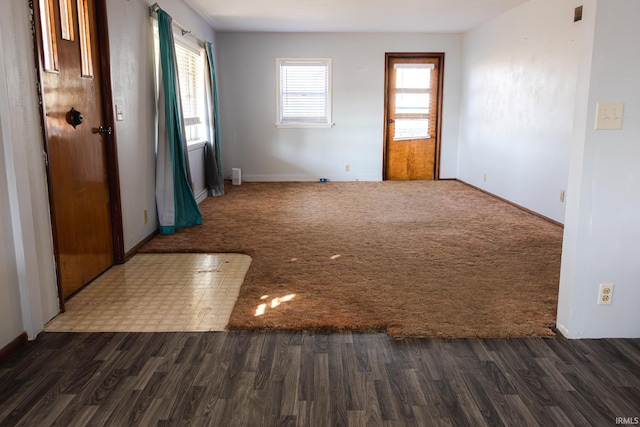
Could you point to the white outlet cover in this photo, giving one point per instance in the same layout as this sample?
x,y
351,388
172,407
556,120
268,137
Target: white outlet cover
x,y
609,115
605,289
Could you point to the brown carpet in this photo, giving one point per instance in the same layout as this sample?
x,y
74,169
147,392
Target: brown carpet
x,y
436,259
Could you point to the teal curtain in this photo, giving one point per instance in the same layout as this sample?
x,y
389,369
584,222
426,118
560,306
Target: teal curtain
x,y
213,160
177,206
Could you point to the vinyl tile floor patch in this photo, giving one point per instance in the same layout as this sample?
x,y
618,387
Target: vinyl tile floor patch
x,y
158,293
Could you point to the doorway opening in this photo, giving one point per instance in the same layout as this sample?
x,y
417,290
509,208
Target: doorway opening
x,y
412,122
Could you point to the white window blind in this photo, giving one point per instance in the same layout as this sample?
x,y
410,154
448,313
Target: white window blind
x,y
414,112
191,77
304,92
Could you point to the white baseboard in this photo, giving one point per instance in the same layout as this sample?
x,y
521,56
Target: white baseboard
x,y
563,330
201,195
308,178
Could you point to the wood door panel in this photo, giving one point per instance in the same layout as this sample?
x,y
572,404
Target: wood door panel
x,y
410,160
78,170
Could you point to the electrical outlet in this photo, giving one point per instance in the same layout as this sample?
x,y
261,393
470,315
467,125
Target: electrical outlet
x,y
146,219
609,115
605,296
347,167
561,196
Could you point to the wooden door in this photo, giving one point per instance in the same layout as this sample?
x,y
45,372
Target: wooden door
x,y
412,116
76,141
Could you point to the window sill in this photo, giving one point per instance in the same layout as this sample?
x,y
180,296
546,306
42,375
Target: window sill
x,y
305,125
195,145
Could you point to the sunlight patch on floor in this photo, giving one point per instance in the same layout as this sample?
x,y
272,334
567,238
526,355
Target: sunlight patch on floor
x,y
158,293
275,302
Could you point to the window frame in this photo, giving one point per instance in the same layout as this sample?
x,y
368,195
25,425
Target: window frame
x,y
329,123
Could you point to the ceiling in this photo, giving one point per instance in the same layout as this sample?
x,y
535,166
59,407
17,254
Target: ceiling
x,y
442,16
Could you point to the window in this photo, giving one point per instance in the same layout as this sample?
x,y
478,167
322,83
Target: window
x,y
304,92
190,61
191,73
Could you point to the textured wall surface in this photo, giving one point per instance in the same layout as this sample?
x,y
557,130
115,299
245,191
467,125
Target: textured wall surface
x,y
518,103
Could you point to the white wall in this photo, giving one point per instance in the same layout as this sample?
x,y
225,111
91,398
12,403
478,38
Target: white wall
x,y
27,255
251,141
602,230
517,106
132,76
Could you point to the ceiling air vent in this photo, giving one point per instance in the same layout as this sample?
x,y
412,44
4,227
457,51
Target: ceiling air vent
x,y
577,14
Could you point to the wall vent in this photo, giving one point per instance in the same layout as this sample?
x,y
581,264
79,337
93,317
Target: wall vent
x,y
577,14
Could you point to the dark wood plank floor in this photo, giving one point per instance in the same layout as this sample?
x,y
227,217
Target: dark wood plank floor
x,y
311,378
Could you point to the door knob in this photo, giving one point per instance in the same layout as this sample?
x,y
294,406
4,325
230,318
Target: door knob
x,y
105,130
74,117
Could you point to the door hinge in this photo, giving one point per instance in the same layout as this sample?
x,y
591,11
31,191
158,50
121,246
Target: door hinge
x,y
45,157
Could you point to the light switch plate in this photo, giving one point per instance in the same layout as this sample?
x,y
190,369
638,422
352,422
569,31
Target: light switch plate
x,y
609,115
119,113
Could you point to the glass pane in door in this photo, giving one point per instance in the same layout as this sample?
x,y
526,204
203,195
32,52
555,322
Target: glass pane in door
x,y
412,103
66,20
411,129
84,24
413,76
49,47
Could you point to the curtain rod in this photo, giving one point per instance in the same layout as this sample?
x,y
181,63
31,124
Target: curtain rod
x,y
154,9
